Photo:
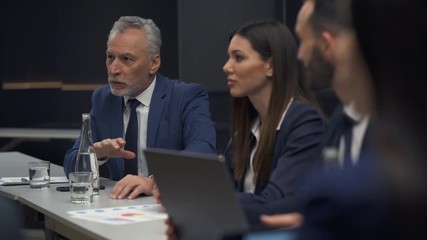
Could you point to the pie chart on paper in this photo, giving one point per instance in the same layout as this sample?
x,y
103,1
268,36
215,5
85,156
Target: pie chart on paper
x,y
132,215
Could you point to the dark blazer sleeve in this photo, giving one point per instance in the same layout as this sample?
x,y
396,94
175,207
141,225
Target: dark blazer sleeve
x,y
334,129
198,129
103,116
350,203
71,154
180,118
254,211
10,220
296,147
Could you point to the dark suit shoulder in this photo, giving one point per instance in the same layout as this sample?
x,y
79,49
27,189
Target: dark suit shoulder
x,y
300,112
102,92
178,87
102,98
298,106
185,86
337,114
302,121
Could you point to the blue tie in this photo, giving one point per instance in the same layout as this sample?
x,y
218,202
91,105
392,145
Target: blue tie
x,y
348,124
131,138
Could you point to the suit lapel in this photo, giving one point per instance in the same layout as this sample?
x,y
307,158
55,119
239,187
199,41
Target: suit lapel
x,y
116,126
366,142
156,109
330,143
334,129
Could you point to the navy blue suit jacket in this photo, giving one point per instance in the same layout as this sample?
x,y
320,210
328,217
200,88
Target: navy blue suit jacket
x,y
296,145
331,139
178,119
335,130
351,203
10,220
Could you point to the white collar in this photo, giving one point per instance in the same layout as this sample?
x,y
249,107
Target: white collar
x,y
350,110
256,125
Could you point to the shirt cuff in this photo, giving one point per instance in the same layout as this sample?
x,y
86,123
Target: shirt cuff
x,y
102,161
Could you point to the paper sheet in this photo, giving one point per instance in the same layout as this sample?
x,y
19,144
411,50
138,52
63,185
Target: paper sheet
x,y
6,181
122,215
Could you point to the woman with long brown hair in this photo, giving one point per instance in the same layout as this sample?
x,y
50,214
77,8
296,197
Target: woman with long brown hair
x,y
276,127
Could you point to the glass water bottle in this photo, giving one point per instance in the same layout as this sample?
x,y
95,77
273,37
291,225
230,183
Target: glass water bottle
x,y
86,159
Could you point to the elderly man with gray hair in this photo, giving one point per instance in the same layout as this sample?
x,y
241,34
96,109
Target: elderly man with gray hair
x,y
140,108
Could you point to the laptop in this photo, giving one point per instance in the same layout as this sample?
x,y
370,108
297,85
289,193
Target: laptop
x,y
198,193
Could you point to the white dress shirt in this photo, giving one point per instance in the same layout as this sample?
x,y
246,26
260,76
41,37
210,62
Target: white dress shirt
x,y
358,134
142,114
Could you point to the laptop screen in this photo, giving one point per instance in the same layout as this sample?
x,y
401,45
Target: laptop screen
x,y
197,192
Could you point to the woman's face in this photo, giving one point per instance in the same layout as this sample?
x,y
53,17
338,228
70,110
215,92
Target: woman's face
x,y
247,72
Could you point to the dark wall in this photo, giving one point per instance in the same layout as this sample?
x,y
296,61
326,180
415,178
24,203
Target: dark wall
x,y
203,29
84,38
291,11
29,40
64,42
60,40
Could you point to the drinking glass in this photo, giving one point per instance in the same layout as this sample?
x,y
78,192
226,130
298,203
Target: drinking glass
x,y
39,172
81,187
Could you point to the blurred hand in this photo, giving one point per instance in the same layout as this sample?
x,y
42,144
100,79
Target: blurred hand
x,y
112,148
156,194
131,186
170,230
286,220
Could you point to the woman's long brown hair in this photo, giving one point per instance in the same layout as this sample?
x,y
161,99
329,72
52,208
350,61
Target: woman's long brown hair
x,y
272,40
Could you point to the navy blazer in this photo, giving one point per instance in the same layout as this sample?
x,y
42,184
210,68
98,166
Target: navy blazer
x,y
11,221
331,139
351,203
335,130
178,119
296,144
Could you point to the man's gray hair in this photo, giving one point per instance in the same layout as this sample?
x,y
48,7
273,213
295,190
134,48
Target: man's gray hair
x,y
152,32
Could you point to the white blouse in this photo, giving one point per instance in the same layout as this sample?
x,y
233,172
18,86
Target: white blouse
x,y
249,184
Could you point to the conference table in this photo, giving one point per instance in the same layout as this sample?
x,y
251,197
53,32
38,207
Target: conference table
x,y
55,205
19,135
